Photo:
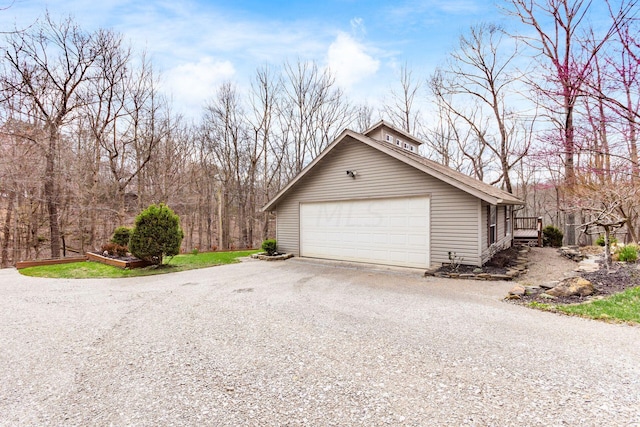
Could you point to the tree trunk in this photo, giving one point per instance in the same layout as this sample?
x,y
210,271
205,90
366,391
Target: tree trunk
x,y
50,195
569,171
6,232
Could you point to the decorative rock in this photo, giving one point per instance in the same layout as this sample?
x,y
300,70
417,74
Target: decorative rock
x,y
531,290
477,270
509,296
517,290
467,276
571,252
265,257
513,273
545,295
550,285
572,286
501,277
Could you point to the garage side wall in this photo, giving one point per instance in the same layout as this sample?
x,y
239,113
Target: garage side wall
x,y
454,213
504,239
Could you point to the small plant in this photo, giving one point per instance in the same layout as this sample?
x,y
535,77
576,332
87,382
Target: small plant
x,y
195,251
552,236
114,249
270,246
600,240
121,236
454,261
628,253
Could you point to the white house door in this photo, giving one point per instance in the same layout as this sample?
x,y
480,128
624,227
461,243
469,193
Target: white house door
x,y
393,231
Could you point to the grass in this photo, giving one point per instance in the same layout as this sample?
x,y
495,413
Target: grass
x,y
93,270
621,307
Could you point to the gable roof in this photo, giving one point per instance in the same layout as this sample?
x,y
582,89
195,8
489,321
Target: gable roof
x,y
477,188
383,124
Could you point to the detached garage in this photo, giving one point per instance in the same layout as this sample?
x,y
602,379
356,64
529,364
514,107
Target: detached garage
x,y
371,198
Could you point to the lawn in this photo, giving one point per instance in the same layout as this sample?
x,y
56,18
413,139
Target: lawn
x,y
620,307
88,269
624,307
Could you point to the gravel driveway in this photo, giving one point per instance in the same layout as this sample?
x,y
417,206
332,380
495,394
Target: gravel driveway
x,y
303,343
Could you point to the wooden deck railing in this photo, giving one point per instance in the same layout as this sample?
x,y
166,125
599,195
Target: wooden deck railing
x,y
528,223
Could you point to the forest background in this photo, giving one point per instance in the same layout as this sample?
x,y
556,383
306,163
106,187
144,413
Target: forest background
x,y
548,112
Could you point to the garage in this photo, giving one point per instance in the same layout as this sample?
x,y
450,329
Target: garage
x,y
391,231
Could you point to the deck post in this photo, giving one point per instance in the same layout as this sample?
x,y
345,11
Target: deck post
x,y
539,228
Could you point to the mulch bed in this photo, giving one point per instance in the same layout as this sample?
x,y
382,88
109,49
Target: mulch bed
x,y
499,264
621,276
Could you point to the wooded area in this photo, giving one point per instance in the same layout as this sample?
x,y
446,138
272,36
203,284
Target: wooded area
x,y
88,141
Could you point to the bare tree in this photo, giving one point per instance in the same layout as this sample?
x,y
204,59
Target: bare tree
x,y
224,136
266,155
475,87
566,61
46,67
401,109
312,112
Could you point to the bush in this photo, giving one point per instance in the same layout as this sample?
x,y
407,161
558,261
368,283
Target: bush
x,y
114,249
156,234
628,253
121,236
552,236
270,246
600,240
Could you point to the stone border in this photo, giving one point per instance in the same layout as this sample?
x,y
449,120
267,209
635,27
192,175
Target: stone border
x,y
264,257
512,272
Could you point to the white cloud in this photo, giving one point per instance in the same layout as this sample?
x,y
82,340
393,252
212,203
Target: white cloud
x,y
192,83
349,62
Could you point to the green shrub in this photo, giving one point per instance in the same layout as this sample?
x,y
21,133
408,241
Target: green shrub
x,y
600,240
552,236
121,236
628,253
270,246
156,234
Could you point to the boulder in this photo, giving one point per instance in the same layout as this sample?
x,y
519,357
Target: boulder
x,y
549,285
571,252
531,290
517,290
572,286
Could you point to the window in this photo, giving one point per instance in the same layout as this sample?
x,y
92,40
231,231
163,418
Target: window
x,y
411,148
406,146
491,224
398,142
389,138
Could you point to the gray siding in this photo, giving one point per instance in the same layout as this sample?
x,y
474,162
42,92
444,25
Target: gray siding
x,y
503,240
454,213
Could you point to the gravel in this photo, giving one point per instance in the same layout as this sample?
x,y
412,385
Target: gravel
x,y
304,343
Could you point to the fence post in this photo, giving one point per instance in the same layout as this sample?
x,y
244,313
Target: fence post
x,y
539,228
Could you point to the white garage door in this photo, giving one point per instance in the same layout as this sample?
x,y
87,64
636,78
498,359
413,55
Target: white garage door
x,y
380,231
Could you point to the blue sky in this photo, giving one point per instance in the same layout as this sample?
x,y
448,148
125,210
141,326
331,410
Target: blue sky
x,y
198,44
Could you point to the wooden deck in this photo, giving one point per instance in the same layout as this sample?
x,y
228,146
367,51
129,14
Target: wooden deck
x,y
528,230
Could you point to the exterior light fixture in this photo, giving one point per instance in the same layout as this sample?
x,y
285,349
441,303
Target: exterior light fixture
x,y
352,173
